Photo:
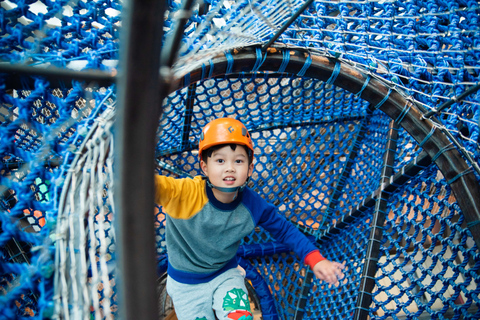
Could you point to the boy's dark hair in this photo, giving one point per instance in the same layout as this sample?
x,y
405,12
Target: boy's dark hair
x,y
208,153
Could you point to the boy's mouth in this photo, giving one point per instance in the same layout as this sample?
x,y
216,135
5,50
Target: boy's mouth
x,y
229,180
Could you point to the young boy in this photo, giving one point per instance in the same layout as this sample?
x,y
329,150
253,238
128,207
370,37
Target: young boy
x,y
207,217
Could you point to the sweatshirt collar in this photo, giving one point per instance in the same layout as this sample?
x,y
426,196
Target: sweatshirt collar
x,y
221,205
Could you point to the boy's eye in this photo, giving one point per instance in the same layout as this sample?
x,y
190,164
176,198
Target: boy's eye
x,y
220,160
239,161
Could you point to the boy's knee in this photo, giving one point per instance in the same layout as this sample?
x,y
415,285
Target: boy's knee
x,y
236,305
240,315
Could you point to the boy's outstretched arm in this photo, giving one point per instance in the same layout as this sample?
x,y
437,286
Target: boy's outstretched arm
x,y
329,271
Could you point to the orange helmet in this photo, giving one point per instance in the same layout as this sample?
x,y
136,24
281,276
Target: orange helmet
x,y
224,131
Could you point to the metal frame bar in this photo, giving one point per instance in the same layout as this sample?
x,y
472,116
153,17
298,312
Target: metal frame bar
x,y
307,283
462,149
13,165
302,300
16,250
376,232
448,103
187,122
399,179
173,41
287,24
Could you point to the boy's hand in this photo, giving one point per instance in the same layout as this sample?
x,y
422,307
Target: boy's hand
x,y
329,271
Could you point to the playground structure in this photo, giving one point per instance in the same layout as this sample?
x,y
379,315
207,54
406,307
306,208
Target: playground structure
x,y
365,119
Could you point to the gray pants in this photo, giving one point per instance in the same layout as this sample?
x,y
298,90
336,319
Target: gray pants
x,y
224,297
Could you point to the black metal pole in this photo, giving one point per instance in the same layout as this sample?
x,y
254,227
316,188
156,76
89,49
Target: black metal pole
x,y
139,108
174,40
56,76
13,165
187,121
287,24
376,233
347,169
464,94
404,174
302,301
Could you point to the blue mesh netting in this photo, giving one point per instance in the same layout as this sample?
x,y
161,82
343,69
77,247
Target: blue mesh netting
x,y
319,150
429,260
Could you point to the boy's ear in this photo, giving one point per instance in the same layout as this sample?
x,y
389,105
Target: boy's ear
x,y
203,166
250,169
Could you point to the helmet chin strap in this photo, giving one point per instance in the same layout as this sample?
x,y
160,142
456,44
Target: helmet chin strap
x,y
228,190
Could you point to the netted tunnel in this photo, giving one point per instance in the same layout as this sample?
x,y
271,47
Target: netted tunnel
x,y
365,119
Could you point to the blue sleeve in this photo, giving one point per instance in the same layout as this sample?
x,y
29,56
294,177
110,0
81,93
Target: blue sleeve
x,y
267,216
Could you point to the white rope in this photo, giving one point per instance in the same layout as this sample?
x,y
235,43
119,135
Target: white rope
x,y
83,285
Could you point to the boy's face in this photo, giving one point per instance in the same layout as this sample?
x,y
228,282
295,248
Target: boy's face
x,y
228,168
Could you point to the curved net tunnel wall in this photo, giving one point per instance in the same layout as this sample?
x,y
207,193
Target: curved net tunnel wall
x,y
335,109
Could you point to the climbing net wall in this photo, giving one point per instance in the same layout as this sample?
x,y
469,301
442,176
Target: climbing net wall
x,y
365,118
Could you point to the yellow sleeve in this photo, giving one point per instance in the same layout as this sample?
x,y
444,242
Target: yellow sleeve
x,y
181,198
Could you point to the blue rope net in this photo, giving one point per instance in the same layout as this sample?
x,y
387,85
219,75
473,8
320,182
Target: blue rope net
x,y
319,152
429,262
